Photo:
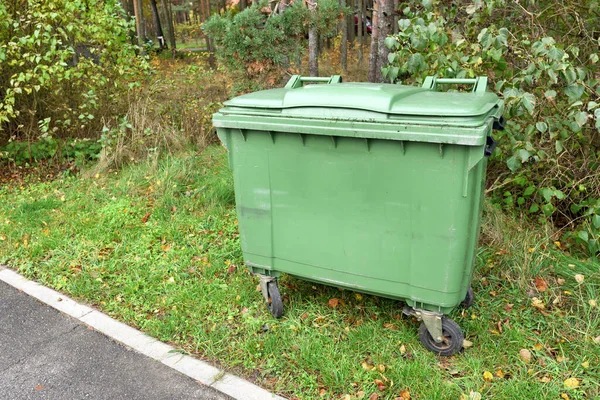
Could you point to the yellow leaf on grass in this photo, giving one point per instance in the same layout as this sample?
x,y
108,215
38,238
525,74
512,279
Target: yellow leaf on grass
x,y
585,364
500,374
579,278
571,383
487,376
564,396
537,303
405,394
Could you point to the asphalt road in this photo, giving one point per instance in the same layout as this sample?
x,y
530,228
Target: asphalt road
x,y
45,354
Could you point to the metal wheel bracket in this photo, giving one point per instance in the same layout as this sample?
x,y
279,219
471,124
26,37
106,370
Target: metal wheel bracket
x,y
264,281
432,321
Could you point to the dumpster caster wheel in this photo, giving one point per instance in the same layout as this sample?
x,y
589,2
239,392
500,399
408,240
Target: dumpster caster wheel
x,y
469,299
452,338
274,302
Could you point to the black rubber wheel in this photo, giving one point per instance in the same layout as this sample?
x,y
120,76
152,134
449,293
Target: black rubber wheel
x,y
274,304
452,342
469,299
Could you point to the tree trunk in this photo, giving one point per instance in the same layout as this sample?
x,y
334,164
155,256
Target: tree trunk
x,y
396,5
374,44
159,32
243,4
313,41
169,24
137,10
359,30
344,43
350,23
386,19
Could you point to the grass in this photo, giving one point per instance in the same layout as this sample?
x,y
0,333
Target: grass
x,y
156,246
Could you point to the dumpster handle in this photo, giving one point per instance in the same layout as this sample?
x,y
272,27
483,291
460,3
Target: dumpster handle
x,y
297,81
490,146
479,83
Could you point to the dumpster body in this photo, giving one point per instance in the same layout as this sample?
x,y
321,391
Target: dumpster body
x,y
373,187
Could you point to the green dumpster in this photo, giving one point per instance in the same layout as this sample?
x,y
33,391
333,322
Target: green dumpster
x,y
373,187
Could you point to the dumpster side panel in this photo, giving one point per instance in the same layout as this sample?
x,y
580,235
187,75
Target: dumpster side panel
x,y
398,219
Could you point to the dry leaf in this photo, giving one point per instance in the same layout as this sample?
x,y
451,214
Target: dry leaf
x,y
508,307
500,374
564,396
597,340
322,392
487,376
231,269
525,355
381,368
538,346
579,278
390,326
346,397
571,383
333,303
380,385
474,396
403,348
145,217
560,281
405,394
467,343
373,396
537,303
367,366
585,364
592,302
360,394
540,284
561,359
545,379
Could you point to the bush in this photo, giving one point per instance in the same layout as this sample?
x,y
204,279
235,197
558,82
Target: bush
x,y
258,42
65,66
541,58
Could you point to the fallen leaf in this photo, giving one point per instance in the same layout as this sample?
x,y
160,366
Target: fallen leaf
x,y
474,396
373,396
333,303
322,392
597,340
560,281
487,376
585,364
231,269
390,326
545,379
525,355
405,394
381,368
540,284
358,296
145,217
508,307
346,397
571,383
360,394
500,374
367,366
467,343
538,346
537,303
592,303
579,278
564,396
403,348
380,385
561,359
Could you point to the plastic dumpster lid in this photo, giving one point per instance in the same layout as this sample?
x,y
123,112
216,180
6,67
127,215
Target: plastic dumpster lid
x,y
382,98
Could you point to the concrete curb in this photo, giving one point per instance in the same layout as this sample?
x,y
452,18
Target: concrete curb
x,y
201,371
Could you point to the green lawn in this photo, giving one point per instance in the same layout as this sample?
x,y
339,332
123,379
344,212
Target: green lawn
x,y
158,248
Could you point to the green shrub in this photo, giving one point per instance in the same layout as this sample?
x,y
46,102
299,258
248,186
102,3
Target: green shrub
x,y
64,66
545,66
